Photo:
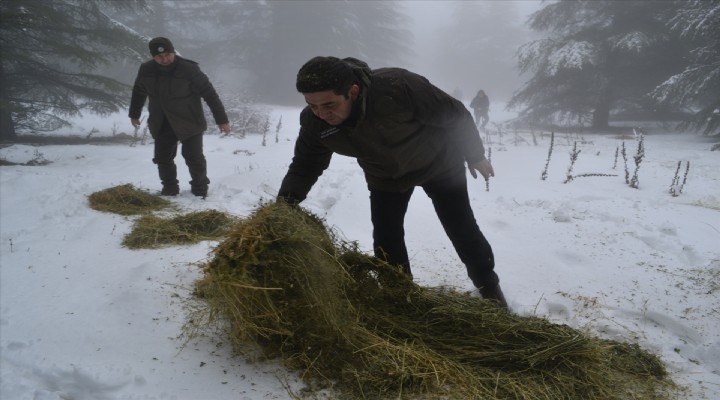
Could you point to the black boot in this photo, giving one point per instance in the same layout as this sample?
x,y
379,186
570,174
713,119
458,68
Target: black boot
x,y
199,190
168,177
200,181
494,294
168,190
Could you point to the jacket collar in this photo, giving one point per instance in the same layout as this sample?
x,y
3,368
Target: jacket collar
x,y
359,108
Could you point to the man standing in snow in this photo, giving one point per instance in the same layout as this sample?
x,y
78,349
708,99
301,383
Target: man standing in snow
x,y
175,86
481,105
404,132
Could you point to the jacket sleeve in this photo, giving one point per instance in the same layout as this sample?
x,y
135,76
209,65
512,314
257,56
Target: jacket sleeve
x,y
434,107
138,98
311,159
201,85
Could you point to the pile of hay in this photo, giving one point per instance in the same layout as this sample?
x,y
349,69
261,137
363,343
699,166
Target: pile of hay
x,y
150,231
281,282
127,200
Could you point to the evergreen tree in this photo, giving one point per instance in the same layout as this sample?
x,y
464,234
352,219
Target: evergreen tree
x,y
698,86
50,51
600,57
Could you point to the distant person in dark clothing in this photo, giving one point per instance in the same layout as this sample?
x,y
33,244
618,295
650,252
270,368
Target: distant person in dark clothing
x,y
481,105
405,133
175,86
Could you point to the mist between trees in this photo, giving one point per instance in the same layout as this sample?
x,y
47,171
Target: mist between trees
x,y
572,63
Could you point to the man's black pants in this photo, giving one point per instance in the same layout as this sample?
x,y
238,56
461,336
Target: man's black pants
x,y
481,118
450,198
166,144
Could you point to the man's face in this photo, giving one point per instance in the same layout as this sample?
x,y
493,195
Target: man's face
x,y
166,58
330,107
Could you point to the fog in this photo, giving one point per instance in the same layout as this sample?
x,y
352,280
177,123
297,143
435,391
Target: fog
x,y
256,48
252,50
463,66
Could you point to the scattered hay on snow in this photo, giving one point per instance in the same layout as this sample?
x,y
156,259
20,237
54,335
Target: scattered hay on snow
x,y
150,231
127,200
281,282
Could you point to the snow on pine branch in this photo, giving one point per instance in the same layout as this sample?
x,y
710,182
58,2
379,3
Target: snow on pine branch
x,y
687,84
698,20
632,41
572,55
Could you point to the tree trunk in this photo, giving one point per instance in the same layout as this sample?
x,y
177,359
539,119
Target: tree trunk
x,y
7,127
601,115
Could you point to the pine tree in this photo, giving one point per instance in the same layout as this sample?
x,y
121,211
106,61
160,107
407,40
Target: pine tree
x,y
599,57
50,51
698,86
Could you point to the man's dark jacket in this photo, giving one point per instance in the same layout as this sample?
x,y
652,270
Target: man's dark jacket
x,y
480,102
403,131
175,92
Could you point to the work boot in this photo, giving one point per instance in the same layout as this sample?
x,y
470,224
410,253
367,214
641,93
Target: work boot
x,y
170,190
198,186
494,294
198,173
168,177
199,191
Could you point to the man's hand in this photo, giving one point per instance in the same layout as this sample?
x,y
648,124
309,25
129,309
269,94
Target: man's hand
x,y
482,166
135,122
224,129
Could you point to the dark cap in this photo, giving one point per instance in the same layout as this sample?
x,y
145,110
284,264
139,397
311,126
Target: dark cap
x,y
160,45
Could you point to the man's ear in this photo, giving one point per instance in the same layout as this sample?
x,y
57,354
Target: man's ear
x,y
354,92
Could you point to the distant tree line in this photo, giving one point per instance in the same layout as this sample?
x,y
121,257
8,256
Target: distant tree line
x,y
608,59
598,60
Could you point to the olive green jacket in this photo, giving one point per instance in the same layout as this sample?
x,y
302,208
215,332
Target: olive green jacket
x,y
175,92
403,131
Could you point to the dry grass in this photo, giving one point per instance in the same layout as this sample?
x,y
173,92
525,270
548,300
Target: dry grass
x,y
282,283
150,231
127,200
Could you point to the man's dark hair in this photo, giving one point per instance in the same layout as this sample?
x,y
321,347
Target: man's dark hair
x,y
325,73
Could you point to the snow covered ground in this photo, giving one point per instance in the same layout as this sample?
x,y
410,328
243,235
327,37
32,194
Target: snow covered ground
x,y
83,318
